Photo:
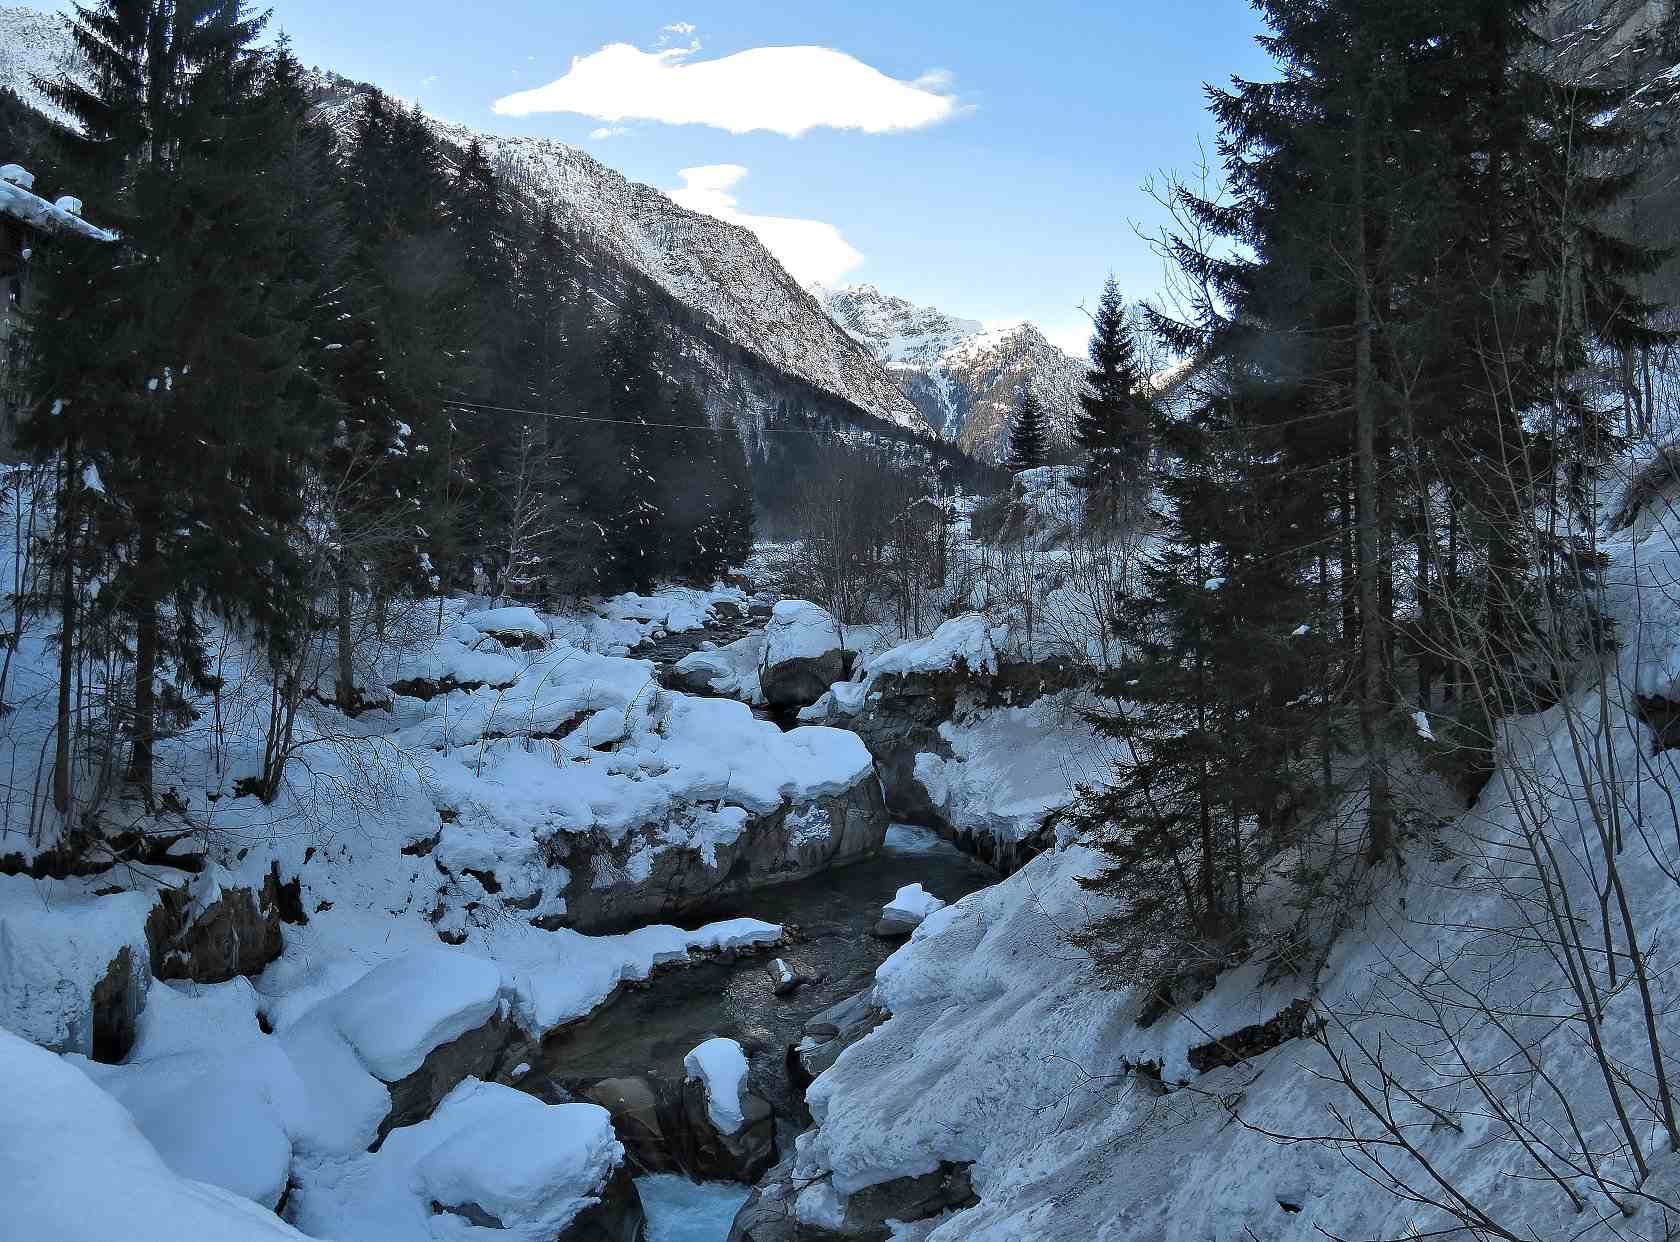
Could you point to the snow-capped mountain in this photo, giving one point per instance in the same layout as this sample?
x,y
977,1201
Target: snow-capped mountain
x,y
965,379
720,270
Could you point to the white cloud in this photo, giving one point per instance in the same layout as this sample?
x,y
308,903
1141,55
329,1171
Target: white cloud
x,y
679,28
787,90
608,131
809,249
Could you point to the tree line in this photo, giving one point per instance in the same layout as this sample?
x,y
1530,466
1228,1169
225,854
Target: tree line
x,y
1409,307
322,371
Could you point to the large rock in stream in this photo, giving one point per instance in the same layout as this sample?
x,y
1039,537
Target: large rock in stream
x,y
901,699
802,654
757,807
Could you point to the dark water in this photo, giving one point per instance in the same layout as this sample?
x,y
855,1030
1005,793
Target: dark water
x,y
649,1031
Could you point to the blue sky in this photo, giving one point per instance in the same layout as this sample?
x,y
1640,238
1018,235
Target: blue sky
x,y
1014,205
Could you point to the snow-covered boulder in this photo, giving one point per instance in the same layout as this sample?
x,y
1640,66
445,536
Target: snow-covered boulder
x,y
490,1157
78,1169
802,654
906,911
74,967
512,627
725,803
732,1133
731,670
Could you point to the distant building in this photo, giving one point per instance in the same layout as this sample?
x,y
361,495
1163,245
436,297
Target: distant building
x,y
25,220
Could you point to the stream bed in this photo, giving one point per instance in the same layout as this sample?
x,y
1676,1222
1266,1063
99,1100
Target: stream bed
x,y
647,1031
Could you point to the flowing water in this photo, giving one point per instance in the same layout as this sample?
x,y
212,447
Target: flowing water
x,y
648,1031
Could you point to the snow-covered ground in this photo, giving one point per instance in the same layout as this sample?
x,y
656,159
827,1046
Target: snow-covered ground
x,y
1447,1000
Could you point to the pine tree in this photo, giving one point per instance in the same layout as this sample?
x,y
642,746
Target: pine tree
x,y
1028,448
200,340
1113,424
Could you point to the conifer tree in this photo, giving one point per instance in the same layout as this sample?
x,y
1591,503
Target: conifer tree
x,y
1113,424
1028,447
200,340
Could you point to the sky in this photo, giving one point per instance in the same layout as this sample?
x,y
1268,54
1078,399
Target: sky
x,y
987,159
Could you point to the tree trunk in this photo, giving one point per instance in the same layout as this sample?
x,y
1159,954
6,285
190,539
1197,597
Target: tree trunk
x,y
145,664
346,671
67,636
1372,640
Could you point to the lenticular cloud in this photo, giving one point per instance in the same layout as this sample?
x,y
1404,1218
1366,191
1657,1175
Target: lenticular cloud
x,y
786,90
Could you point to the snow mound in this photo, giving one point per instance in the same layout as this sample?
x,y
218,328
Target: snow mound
x,y
799,630
487,1148
79,1170
730,670
402,1009
911,904
722,1067
523,621
967,642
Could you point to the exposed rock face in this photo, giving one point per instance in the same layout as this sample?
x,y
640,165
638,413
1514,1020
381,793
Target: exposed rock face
x,y
639,879
641,1117
711,1155
802,654
117,1001
618,1217
784,1210
210,934
482,1053
829,1034
899,718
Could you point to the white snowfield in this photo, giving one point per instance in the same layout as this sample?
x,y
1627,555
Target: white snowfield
x,y
1011,765
1004,1049
721,1066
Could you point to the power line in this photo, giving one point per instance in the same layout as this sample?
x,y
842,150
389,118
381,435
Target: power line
x,y
631,422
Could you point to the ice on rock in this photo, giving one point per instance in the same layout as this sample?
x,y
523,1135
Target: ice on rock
x,y
720,1064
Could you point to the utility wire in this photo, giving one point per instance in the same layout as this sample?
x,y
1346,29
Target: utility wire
x,y
631,422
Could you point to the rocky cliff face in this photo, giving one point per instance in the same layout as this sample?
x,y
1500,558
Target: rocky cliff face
x,y
748,304
965,380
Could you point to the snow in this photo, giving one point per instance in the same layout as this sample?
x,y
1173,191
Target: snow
x,y
968,642
1011,765
532,1165
17,201
720,1064
913,839
1006,1050
730,670
911,904
799,630
79,1170
508,621
405,1007
57,941
679,1210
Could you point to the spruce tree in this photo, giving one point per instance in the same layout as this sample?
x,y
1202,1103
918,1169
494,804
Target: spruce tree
x,y
1028,446
200,334
1113,424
